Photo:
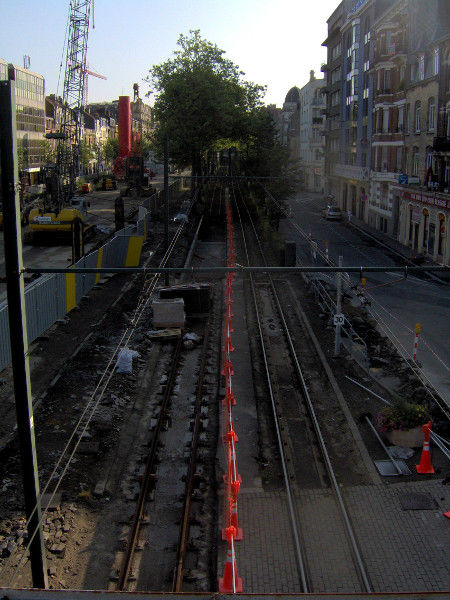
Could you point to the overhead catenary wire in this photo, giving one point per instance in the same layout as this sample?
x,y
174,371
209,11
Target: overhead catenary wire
x,y
418,372
102,383
340,500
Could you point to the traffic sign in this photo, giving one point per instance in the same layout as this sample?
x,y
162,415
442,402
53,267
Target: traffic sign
x,y
338,319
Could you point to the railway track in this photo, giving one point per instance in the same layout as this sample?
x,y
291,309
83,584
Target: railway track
x,y
166,544
310,430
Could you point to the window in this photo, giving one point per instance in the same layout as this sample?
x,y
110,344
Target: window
x,y
336,51
415,164
355,33
405,161
431,114
398,164
417,111
408,118
335,75
436,61
335,98
429,156
401,114
388,39
385,120
421,69
387,80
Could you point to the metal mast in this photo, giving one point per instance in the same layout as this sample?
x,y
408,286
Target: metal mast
x,y
73,95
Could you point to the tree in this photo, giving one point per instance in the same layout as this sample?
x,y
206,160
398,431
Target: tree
x,y
201,98
85,154
261,155
111,150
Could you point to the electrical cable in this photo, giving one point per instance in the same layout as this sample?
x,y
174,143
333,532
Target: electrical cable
x,y
62,55
141,305
424,379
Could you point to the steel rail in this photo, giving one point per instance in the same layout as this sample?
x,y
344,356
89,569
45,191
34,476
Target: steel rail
x,y
241,268
127,562
295,532
329,466
177,583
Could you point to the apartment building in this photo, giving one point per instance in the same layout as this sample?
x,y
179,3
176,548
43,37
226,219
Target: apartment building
x,y
349,103
423,192
30,120
390,35
387,160
311,138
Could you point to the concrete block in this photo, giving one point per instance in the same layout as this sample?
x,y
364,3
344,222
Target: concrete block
x,y
168,312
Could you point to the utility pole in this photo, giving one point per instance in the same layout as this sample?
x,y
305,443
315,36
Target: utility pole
x,y
18,329
166,198
338,317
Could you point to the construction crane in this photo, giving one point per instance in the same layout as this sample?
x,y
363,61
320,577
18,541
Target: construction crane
x,y
68,157
70,134
86,86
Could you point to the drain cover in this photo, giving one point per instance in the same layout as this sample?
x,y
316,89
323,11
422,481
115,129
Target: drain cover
x,y
387,469
417,502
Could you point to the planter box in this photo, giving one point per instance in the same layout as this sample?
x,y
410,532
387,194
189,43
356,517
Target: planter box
x,y
409,438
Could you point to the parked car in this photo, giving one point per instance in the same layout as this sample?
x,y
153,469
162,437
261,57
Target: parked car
x,y
332,212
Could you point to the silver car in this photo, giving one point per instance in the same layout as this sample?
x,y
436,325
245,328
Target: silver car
x,y
333,213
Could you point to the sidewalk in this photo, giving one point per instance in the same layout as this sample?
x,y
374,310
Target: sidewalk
x,y
396,247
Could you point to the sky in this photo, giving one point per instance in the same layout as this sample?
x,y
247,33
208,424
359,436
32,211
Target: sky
x,y
275,43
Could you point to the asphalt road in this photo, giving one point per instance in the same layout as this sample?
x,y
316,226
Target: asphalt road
x,y
100,213
398,306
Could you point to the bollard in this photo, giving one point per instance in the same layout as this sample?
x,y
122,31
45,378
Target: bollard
x,y
416,340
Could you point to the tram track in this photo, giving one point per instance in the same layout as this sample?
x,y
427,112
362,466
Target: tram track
x,y
163,547
293,398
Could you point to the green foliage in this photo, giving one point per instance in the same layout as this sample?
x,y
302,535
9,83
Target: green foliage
x,y
201,98
402,415
48,152
111,150
261,155
85,154
21,156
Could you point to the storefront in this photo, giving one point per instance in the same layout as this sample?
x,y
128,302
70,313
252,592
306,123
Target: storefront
x,y
423,223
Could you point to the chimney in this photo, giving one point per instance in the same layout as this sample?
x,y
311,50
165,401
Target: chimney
x,y
311,75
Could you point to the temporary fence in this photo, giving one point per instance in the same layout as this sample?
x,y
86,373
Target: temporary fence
x,y
50,297
230,583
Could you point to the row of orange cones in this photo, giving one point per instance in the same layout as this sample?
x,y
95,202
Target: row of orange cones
x,y
230,583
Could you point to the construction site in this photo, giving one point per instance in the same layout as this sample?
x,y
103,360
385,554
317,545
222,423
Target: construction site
x,y
196,403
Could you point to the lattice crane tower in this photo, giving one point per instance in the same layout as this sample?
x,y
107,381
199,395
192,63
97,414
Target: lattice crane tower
x,y
73,94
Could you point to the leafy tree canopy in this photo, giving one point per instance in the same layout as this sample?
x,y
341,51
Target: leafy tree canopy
x,y
111,149
201,98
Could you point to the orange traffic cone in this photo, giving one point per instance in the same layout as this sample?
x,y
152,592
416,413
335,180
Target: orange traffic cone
x,y
234,522
425,465
226,583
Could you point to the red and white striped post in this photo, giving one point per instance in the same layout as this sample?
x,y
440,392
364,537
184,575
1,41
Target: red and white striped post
x,y
416,340
326,251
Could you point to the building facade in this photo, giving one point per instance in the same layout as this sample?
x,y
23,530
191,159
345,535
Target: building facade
x,y
387,162
30,120
311,139
388,71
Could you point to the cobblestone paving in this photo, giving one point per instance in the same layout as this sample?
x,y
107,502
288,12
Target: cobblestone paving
x,y
403,550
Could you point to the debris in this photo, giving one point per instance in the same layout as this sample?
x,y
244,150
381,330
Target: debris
x,y
125,360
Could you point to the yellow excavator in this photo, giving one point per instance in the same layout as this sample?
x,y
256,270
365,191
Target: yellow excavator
x,y
53,221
